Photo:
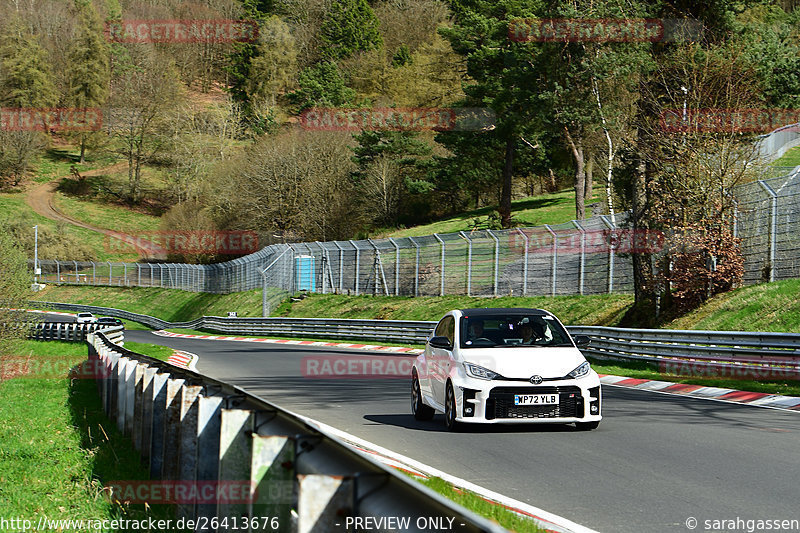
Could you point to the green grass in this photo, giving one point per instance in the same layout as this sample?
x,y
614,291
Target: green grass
x,y
13,207
55,163
496,513
645,370
554,208
58,449
152,350
601,310
790,159
167,304
763,307
106,216
187,331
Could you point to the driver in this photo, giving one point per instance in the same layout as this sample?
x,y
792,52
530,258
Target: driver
x,y
475,329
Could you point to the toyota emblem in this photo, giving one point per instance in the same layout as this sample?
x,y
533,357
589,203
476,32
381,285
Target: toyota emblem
x,y
536,380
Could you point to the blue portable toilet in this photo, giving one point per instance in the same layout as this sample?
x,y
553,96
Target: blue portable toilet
x,y
305,277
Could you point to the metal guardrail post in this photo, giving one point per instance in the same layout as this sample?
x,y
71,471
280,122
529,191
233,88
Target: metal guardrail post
x,y
525,264
469,261
110,270
582,269
416,266
554,262
235,455
77,279
58,271
94,273
396,267
358,266
189,449
209,418
272,474
441,274
341,265
773,225
496,260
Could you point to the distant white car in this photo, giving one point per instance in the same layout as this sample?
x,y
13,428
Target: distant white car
x,y
86,318
494,366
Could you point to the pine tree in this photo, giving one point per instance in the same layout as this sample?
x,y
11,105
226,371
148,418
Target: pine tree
x,y
349,26
27,77
89,56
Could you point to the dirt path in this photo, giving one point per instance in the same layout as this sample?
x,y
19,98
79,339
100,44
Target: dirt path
x,y
41,198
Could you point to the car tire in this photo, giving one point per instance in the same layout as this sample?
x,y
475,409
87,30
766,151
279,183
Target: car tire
x,y
418,407
450,409
587,426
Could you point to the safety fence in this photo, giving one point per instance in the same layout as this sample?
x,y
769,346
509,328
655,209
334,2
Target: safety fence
x,y
750,351
213,440
578,257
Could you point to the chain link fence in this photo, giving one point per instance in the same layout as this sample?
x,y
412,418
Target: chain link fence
x,y
571,258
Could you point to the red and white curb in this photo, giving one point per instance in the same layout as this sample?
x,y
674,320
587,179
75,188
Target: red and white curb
x,y
183,359
548,521
351,346
46,312
758,399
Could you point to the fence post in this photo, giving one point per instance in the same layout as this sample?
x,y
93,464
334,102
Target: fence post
x,y
555,258
496,259
94,274
341,265
612,227
773,224
110,269
77,279
416,266
125,274
396,267
469,262
58,272
525,265
582,270
441,276
358,259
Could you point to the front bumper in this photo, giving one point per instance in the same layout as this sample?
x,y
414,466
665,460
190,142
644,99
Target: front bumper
x,y
492,402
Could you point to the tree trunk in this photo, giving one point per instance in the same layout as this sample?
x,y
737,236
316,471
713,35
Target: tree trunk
x,y
643,293
589,187
508,172
576,145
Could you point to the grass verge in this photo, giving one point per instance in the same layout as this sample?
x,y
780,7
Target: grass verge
x,y
497,513
155,351
646,370
59,449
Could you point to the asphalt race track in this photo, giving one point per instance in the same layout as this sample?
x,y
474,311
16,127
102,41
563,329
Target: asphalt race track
x,y
655,461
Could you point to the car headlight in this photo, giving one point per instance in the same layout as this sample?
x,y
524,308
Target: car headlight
x,y
580,371
479,372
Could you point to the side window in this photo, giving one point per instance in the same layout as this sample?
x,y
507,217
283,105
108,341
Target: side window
x,y
447,328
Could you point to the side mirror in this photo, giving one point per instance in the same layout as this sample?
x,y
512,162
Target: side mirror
x,y
582,340
440,342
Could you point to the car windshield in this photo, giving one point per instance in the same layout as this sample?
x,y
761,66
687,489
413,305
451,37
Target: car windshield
x,y
486,331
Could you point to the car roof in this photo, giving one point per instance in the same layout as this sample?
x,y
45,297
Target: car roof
x,y
488,311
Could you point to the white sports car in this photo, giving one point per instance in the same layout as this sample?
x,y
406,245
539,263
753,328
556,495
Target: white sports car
x,y
505,366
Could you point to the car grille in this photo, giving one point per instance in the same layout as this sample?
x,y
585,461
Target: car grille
x,y
501,403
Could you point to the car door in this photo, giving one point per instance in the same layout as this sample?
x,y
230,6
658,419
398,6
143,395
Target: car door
x,y
441,359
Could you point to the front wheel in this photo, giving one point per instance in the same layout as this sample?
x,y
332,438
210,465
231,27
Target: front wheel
x,y
450,409
420,410
587,426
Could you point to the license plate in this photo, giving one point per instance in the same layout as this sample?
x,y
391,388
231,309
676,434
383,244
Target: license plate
x,y
535,399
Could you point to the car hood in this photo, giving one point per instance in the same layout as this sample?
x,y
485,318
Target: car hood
x,y
519,362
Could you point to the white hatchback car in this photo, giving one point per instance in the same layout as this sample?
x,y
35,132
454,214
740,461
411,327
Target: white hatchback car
x,y
494,366
86,318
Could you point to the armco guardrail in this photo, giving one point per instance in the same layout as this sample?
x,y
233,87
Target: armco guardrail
x,y
753,350
73,332
207,436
